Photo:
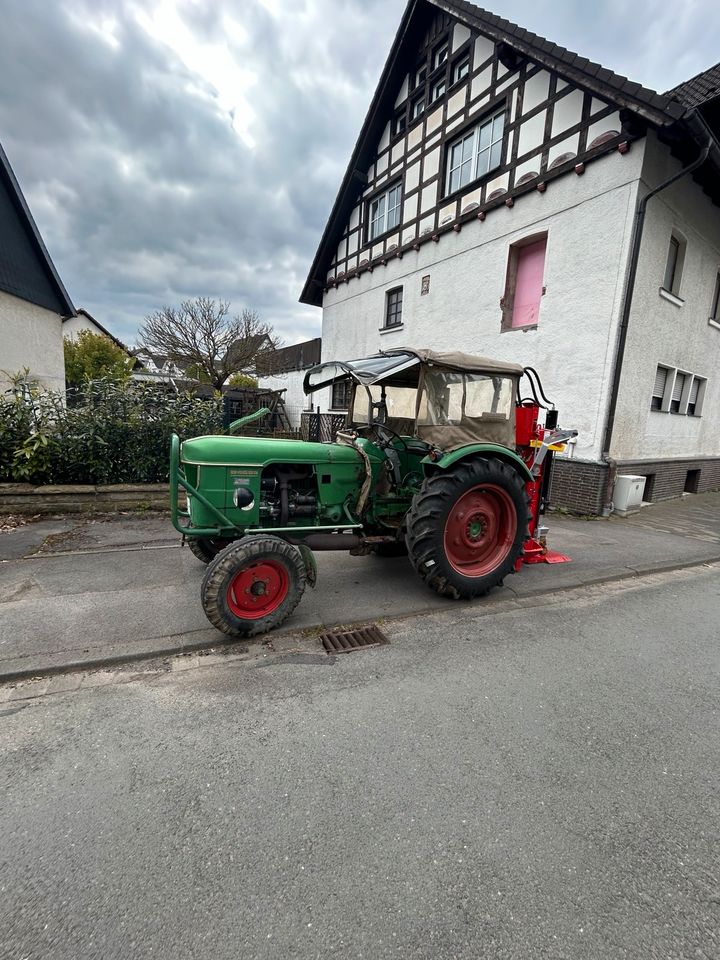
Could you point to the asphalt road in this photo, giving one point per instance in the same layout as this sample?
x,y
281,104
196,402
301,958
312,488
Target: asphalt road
x,y
538,783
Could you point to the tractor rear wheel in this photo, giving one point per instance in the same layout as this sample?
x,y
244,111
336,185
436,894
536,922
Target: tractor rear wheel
x,y
206,549
467,527
253,586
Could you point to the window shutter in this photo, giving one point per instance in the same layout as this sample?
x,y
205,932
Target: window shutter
x,y
694,389
660,381
678,388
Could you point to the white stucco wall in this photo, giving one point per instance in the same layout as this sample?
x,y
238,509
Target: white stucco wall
x,y
588,220
30,336
73,325
661,332
295,399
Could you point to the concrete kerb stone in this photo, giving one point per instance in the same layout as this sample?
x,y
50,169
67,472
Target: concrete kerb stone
x,y
175,646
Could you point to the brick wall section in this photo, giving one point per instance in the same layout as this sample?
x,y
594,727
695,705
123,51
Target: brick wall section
x,y
578,485
670,475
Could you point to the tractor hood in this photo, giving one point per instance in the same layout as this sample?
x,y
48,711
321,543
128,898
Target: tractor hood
x,y
402,368
261,451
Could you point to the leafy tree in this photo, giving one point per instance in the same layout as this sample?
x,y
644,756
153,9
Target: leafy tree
x,y
240,380
92,356
202,334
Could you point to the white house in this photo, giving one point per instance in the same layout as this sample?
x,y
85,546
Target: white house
x,y
284,369
494,203
33,300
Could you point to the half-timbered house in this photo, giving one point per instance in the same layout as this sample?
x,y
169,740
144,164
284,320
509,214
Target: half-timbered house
x,y
498,201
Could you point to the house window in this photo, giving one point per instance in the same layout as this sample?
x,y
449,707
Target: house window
x,y
695,397
461,69
399,123
476,152
658,394
440,55
340,395
674,265
418,108
393,307
524,284
715,307
420,75
438,90
677,393
385,211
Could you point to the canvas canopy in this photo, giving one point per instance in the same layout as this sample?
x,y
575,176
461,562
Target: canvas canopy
x,y
402,366
446,399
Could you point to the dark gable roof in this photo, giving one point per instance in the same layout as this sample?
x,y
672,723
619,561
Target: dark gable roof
x,y
660,110
298,356
26,270
699,89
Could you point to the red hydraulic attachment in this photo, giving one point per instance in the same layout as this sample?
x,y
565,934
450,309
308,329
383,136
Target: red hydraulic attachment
x,y
536,444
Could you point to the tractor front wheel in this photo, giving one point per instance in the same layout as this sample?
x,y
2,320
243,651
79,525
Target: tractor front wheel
x,y
205,548
467,527
253,586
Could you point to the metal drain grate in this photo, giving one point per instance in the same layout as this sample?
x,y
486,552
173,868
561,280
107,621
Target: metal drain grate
x,y
348,641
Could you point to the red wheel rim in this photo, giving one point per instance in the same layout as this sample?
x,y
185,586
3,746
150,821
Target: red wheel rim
x,y
258,590
480,530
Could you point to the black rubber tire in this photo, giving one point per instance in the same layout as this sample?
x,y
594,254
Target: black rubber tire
x,y
428,515
230,562
206,549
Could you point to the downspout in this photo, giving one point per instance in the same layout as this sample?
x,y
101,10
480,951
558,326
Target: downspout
x,y
701,133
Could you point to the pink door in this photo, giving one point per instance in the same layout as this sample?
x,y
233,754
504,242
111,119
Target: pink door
x,y
528,284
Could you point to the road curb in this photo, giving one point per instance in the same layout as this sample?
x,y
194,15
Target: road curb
x,y
173,649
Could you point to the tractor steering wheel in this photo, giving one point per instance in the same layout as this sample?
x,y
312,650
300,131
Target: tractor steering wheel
x,y
382,427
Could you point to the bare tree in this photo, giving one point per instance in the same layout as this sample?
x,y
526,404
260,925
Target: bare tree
x,y
201,334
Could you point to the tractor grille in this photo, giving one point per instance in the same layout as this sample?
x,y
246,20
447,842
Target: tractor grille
x,y
347,641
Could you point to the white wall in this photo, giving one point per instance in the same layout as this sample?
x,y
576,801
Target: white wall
x,y
30,336
295,399
661,332
588,219
73,325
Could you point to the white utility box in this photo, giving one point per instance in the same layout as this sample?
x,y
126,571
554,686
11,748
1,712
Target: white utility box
x,y
628,494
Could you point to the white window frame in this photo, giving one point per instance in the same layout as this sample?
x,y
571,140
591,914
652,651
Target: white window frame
x,y
384,211
480,152
458,66
678,264
441,54
436,91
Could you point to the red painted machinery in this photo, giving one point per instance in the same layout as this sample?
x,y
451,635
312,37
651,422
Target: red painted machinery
x,y
537,440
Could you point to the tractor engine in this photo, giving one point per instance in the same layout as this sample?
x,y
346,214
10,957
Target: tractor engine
x,y
288,492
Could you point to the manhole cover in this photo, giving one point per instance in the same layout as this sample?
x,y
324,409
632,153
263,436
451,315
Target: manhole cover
x,y
347,641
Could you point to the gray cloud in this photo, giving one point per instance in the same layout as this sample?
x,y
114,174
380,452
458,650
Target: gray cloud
x,y
144,191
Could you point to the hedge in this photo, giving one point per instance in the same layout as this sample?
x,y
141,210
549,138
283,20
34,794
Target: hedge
x,y
103,432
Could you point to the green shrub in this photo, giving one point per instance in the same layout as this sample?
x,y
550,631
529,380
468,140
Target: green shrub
x,y
108,432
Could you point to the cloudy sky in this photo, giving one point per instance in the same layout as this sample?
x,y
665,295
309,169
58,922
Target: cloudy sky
x,y
172,148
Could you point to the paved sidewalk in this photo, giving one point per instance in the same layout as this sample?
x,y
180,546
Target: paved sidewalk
x,y
78,593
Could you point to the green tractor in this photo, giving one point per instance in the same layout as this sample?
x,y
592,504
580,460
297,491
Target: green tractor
x,y
441,458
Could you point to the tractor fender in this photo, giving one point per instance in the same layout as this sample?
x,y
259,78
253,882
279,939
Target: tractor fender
x,y
473,450
310,563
